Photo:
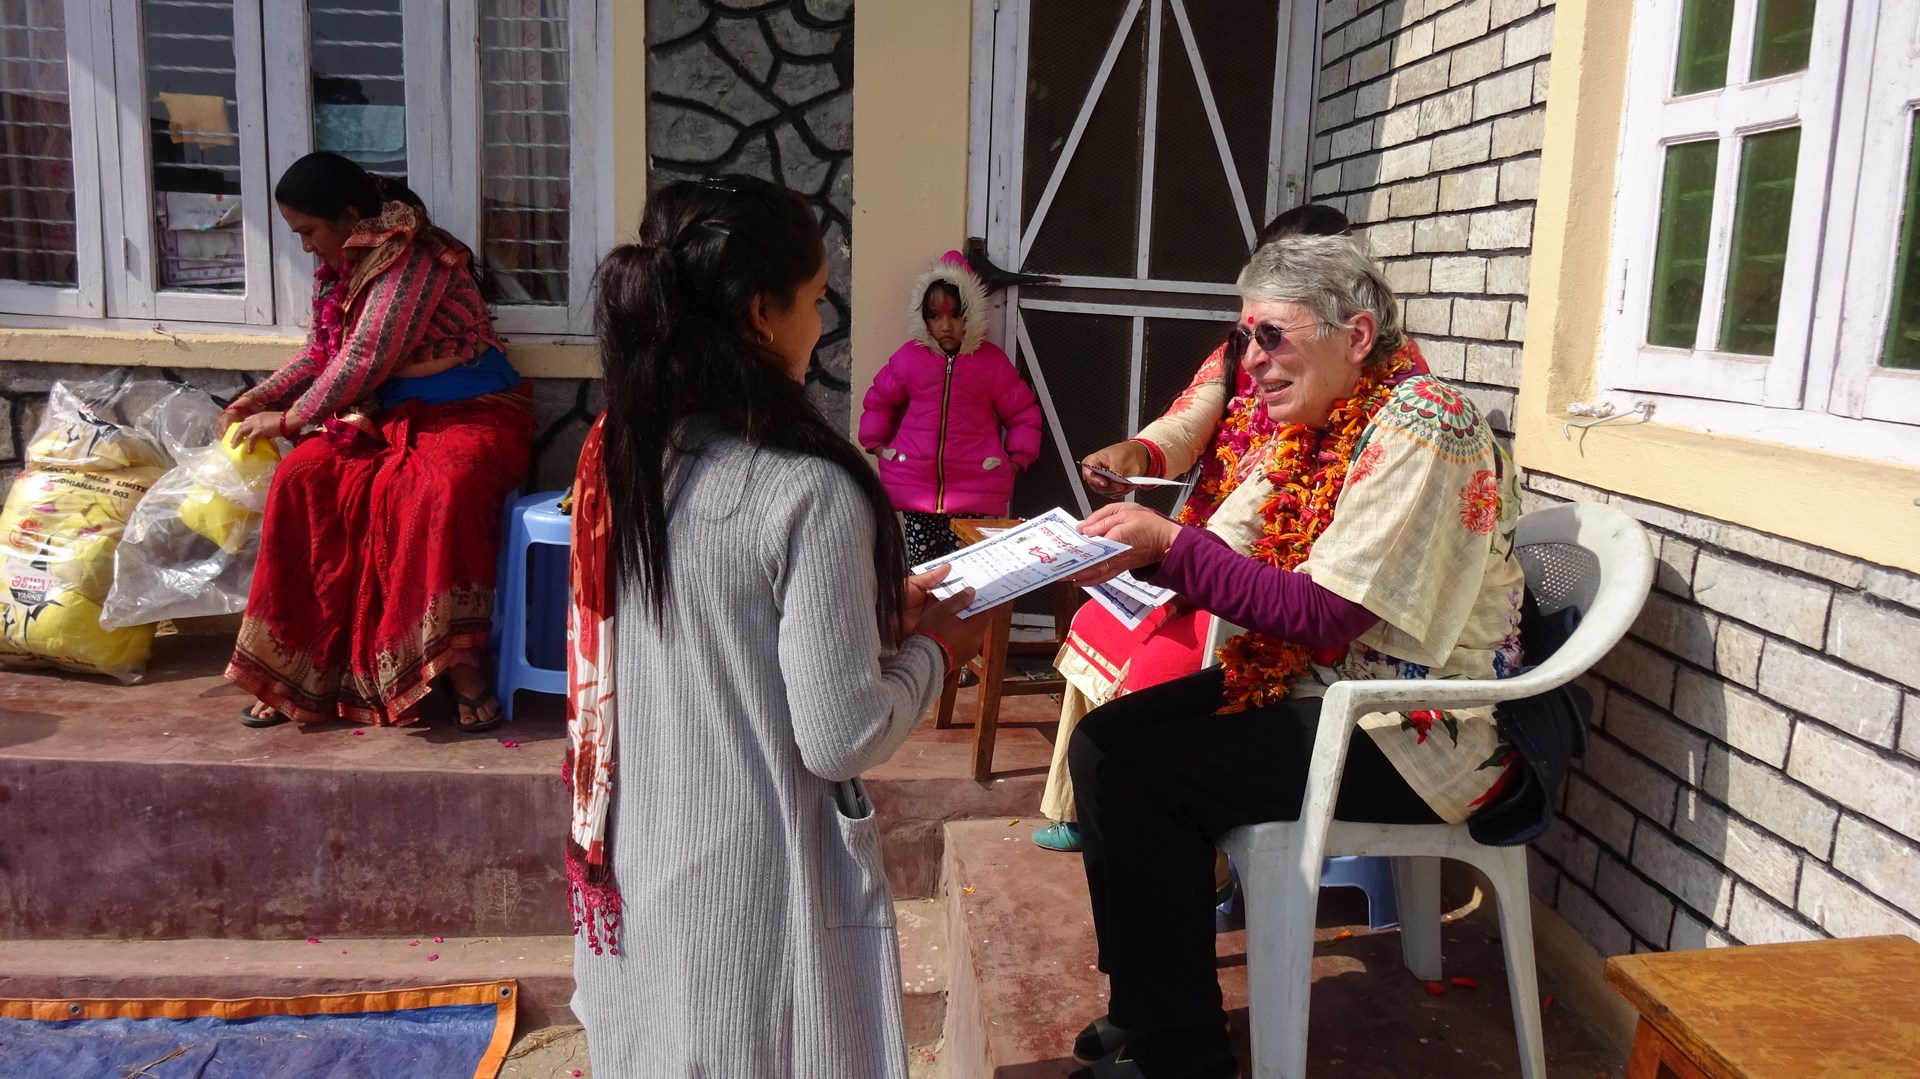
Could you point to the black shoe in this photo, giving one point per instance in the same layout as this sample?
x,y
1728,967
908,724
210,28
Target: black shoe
x,y
1100,1040
1124,1066
1194,1052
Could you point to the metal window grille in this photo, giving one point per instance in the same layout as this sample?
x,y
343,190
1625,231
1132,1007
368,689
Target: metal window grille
x,y
359,83
191,107
37,240
525,152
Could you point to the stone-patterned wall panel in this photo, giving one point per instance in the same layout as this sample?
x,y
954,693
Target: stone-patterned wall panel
x,y
563,409
764,88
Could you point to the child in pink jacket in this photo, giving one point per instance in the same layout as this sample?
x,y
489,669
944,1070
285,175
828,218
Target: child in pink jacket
x,y
936,412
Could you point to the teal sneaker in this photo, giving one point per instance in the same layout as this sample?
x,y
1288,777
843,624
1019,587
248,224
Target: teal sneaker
x,y
1060,835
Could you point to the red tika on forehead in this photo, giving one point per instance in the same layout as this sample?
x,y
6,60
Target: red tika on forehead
x,y
940,304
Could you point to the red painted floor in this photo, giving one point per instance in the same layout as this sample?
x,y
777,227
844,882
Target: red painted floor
x,y
1030,953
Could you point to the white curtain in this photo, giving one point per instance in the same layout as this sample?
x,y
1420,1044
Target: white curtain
x,y
36,145
525,135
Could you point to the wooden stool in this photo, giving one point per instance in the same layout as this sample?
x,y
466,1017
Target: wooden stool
x,y
1817,1010
990,666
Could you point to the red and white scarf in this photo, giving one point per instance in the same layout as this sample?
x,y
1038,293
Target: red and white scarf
x,y
593,898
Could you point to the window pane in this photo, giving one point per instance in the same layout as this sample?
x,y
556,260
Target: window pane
x,y
1782,35
36,146
359,92
1706,33
1680,255
196,153
1762,217
525,137
1903,321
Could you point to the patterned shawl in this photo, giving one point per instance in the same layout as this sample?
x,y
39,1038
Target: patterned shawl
x,y
593,898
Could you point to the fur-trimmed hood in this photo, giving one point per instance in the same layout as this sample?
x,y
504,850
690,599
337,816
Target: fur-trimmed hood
x,y
953,270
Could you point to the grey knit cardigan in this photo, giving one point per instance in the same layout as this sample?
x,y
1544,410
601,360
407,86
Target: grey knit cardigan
x,y
758,940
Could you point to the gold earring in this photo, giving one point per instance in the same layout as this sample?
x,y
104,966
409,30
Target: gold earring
x,y
766,339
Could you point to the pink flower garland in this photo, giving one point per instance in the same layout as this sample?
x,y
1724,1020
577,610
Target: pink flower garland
x,y
329,313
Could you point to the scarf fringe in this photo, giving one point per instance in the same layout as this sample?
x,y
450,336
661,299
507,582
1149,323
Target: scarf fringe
x,y
593,901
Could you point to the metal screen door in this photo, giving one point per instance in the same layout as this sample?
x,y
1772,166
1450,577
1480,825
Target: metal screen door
x,y
1132,149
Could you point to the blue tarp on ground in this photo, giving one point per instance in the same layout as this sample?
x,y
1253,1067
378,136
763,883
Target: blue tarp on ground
x,y
450,1032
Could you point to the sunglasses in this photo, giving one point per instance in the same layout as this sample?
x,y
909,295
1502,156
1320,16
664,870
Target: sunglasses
x,y
1269,335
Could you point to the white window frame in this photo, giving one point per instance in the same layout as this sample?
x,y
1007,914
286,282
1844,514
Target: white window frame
x,y
290,110
1821,389
118,255
589,222
1864,244
1655,121
135,293
86,298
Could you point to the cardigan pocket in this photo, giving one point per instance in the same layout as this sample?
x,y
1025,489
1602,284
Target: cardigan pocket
x,y
853,883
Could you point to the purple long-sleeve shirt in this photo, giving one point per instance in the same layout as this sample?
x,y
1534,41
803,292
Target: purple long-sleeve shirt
x,y
1276,602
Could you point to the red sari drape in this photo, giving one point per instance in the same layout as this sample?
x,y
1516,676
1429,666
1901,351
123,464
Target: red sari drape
x,y
377,559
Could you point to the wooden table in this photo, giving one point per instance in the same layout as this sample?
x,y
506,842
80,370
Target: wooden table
x,y
1817,1010
991,664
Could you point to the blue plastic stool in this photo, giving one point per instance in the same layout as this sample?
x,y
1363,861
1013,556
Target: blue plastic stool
x,y
1373,876
530,604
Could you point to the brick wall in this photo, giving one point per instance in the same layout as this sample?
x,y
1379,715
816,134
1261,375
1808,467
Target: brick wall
x,y
1755,772
1428,132
1755,768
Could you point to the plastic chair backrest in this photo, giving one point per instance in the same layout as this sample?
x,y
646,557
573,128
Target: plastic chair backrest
x,y
1579,554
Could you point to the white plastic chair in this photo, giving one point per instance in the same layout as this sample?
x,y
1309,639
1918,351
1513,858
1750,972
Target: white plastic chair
x,y
1593,557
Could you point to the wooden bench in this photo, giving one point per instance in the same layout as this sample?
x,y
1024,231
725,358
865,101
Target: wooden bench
x,y
990,666
1816,1010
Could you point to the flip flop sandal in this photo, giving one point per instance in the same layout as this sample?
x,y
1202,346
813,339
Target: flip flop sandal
x,y
273,719
478,706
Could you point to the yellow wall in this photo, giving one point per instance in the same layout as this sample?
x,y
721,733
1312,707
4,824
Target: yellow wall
x,y
911,60
1863,508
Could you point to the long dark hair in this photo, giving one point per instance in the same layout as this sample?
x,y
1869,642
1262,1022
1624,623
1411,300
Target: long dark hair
x,y
327,185
671,314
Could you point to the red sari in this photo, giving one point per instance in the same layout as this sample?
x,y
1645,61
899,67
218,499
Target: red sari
x,y
377,560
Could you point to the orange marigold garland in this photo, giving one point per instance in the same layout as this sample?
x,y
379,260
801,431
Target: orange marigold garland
x,y
1308,469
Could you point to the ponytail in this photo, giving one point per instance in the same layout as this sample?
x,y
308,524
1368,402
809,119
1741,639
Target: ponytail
x,y
671,316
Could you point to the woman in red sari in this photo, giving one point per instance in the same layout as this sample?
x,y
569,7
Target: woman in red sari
x,y
378,547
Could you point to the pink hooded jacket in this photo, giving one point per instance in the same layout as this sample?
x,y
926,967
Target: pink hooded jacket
x,y
935,420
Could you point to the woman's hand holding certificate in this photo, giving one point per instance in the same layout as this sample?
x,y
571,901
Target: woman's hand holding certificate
x,y
1031,555
1146,534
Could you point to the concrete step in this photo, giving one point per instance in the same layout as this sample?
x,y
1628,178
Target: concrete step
x,y
543,966
148,812
1025,980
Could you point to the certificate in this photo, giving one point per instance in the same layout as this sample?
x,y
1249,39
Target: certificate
x,y
1129,599
1028,556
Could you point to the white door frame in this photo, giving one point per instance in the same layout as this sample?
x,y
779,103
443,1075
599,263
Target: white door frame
x,y
997,130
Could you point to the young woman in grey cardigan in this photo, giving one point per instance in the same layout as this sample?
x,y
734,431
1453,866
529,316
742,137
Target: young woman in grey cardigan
x,y
723,858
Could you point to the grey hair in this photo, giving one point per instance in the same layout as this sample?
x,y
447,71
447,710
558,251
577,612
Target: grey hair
x,y
1332,276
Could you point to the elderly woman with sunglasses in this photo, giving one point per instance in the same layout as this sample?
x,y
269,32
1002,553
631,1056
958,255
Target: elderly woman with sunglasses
x,y
1225,434
1387,552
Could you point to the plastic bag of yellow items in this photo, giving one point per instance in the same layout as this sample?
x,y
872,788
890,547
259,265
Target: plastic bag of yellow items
x,y
89,464
212,514
190,547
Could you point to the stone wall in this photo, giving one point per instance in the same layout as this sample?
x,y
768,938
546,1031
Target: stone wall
x,y
764,87
1755,768
563,410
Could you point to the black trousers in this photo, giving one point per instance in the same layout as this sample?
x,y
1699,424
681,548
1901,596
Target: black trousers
x,y
1159,778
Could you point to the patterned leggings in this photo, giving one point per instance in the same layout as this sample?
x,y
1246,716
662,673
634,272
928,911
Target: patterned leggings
x,y
930,535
